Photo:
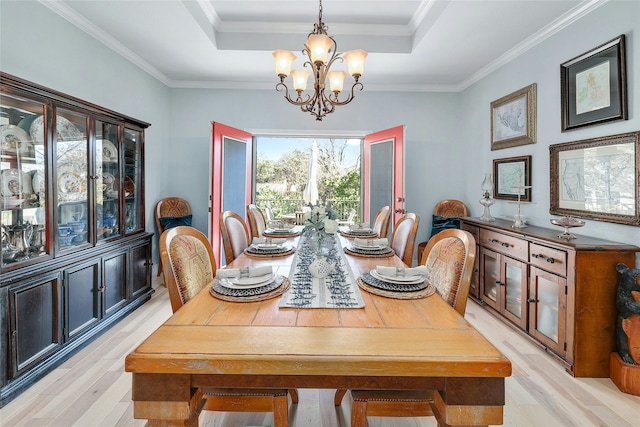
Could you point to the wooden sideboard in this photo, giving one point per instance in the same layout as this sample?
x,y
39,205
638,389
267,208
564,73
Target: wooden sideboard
x,y
561,293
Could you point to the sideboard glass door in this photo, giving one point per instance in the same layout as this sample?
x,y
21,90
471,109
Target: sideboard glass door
x,y
72,178
108,177
23,183
132,143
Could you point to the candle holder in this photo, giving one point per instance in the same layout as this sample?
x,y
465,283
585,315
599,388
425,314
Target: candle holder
x,y
487,201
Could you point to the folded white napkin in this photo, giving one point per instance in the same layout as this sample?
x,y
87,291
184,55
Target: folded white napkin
x,y
360,226
401,271
357,242
244,272
267,240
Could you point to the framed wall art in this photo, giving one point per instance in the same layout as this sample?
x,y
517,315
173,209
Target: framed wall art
x,y
512,177
513,119
597,178
594,86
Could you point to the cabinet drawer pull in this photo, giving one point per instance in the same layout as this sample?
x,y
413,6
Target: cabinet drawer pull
x,y
532,300
549,260
506,245
498,282
494,240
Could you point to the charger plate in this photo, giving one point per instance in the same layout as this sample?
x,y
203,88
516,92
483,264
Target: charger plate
x,y
282,235
362,235
252,252
279,286
379,253
424,293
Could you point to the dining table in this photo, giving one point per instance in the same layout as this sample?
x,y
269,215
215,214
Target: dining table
x,y
408,343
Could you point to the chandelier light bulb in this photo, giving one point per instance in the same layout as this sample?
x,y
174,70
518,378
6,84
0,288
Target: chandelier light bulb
x,y
319,46
284,61
300,77
336,80
355,61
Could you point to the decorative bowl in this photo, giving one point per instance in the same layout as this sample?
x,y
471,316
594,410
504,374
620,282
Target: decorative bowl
x,y
567,222
64,230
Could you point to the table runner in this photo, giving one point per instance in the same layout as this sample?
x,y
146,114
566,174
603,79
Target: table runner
x,y
338,290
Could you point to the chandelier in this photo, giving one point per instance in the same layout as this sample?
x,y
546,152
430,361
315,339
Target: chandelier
x,y
320,48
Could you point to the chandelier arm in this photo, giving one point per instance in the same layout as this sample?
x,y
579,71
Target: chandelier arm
x,y
299,101
336,101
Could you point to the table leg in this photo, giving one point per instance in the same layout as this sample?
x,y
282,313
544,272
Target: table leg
x,y
469,402
166,400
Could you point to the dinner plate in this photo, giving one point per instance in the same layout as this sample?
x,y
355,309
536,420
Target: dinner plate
x,y
268,246
248,281
38,181
369,247
14,139
71,183
409,280
14,183
278,231
109,151
108,180
67,131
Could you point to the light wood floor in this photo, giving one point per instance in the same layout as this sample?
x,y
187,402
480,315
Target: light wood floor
x,y
92,389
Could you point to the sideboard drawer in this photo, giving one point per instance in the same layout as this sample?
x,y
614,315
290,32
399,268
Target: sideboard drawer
x,y
508,245
475,231
550,259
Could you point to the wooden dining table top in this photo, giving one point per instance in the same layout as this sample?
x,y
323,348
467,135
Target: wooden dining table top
x,y
424,342
391,335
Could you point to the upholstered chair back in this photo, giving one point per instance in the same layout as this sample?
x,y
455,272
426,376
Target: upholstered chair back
x,y
403,239
188,263
171,212
381,221
235,236
449,257
257,221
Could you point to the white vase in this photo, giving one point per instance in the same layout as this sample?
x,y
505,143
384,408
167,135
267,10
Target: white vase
x,y
321,267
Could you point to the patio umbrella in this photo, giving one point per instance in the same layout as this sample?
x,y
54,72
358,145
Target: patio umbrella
x,y
310,193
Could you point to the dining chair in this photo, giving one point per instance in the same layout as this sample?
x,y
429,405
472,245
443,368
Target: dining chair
x,y
403,238
381,221
446,214
235,235
257,221
189,266
171,212
449,257
349,219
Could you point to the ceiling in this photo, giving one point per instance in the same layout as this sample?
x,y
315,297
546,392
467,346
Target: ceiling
x,y
422,45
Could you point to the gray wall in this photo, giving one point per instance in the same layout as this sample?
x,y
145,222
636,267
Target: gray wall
x,y
447,134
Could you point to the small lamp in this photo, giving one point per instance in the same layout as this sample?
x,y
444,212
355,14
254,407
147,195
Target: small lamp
x,y
487,201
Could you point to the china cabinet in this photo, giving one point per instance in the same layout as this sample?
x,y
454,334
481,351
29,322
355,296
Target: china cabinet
x,y
75,255
559,292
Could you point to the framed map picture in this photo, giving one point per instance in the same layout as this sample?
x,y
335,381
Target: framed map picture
x,y
512,178
597,178
513,119
594,86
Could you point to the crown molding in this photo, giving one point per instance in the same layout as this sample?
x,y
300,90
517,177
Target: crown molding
x,y
85,25
543,34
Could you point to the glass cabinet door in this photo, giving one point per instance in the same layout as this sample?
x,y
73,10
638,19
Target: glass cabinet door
x,y
108,177
490,277
547,319
132,143
23,184
514,282
72,178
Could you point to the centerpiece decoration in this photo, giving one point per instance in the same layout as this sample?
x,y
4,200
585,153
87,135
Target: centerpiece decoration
x,y
320,224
